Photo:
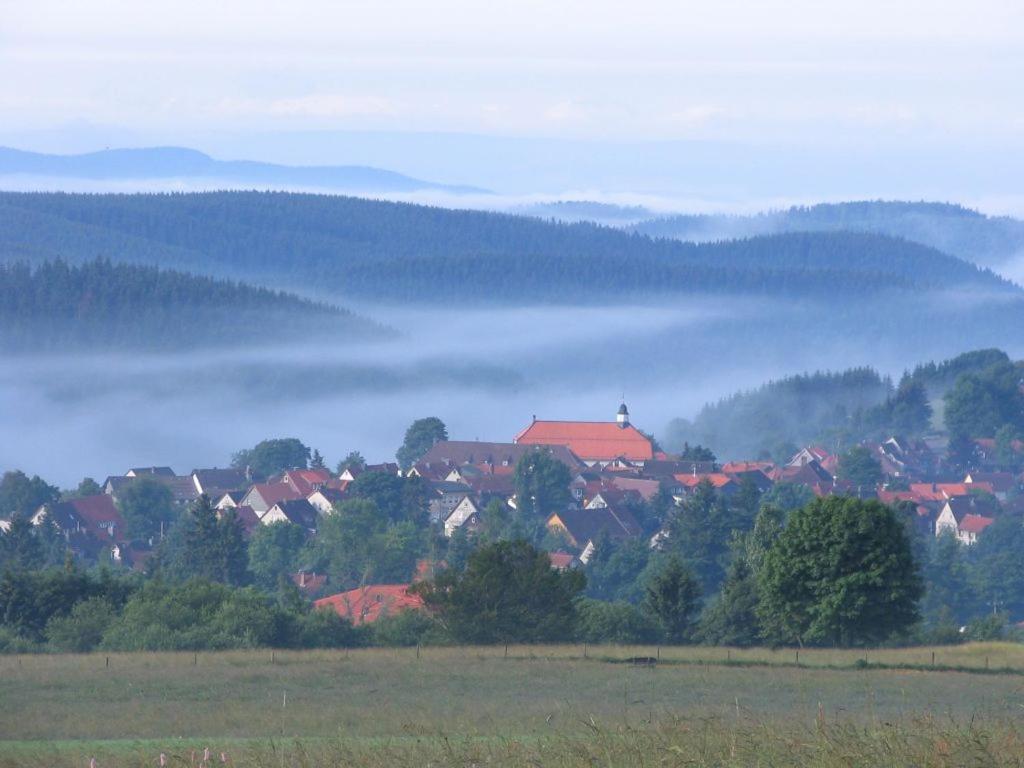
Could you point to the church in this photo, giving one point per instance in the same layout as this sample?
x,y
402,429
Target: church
x,y
597,443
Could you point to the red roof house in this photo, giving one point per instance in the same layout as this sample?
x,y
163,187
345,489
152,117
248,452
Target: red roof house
x,y
367,604
593,441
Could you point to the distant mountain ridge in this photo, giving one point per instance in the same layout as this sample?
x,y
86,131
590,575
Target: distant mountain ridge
x,y
182,163
953,229
373,249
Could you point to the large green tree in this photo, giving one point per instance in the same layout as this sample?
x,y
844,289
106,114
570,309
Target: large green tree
x,y
269,457
147,507
859,467
420,437
842,572
274,550
541,483
998,572
24,495
508,592
981,403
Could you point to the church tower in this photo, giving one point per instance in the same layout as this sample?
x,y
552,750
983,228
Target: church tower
x,y
622,417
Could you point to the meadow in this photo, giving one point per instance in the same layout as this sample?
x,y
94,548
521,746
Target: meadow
x,y
531,705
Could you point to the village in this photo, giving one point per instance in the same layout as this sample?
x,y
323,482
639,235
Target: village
x,y
614,470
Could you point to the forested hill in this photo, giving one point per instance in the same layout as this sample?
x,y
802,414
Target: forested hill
x,y
776,418
376,249
953,229
99,306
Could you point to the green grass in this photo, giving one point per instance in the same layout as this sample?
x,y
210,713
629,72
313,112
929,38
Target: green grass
x,y
538,705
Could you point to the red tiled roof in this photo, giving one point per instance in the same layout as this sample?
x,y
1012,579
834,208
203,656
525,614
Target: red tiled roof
x,y
975,523
94,510
273,493
735,467
367,604
590,440
717,479
561,560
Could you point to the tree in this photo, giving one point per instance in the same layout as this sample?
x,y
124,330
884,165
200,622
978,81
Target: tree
x,y
615,569
202,546
699,532
317,461
909,412
270,457
420,437
354,460
859,467
1006,452
998,571
508,592
88,487
358,545
842,572
732,619
949,593
541,483
23,495
697,453
618,622
981,403
147,507
673,597
274,549
399,498
20,548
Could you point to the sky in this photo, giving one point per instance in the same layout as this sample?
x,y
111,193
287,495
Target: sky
x,y
795,70
681,106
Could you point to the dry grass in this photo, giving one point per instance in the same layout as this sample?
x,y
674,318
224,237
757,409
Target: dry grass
x,y
538,706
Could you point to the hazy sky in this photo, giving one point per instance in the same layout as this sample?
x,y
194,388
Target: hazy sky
x,y
943,71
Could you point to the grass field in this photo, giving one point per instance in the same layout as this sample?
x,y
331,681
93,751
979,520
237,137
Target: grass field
x,y
563,705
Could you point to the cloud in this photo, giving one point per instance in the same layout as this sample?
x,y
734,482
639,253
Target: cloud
x,y
696,115
312,105
565,112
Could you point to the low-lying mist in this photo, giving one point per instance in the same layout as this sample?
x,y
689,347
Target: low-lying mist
x,y
485,372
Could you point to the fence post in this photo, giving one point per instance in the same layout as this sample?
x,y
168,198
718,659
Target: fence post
x,y
798,656
417,651
933,658
107,664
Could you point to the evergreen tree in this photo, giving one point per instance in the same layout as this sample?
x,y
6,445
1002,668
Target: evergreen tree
x,y
20,548
673,597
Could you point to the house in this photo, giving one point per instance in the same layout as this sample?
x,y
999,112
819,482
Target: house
x,y
297,511
465,515
325,499
246,517
444,497
351,473
563,561
814,454
365,605
962,516
150,472
581,527
262,496
595,442
183,489
305,481
96,516
309,583
718,480
1001,483
230,499
216,482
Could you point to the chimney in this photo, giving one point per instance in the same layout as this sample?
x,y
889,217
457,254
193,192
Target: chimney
x,y
302,578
